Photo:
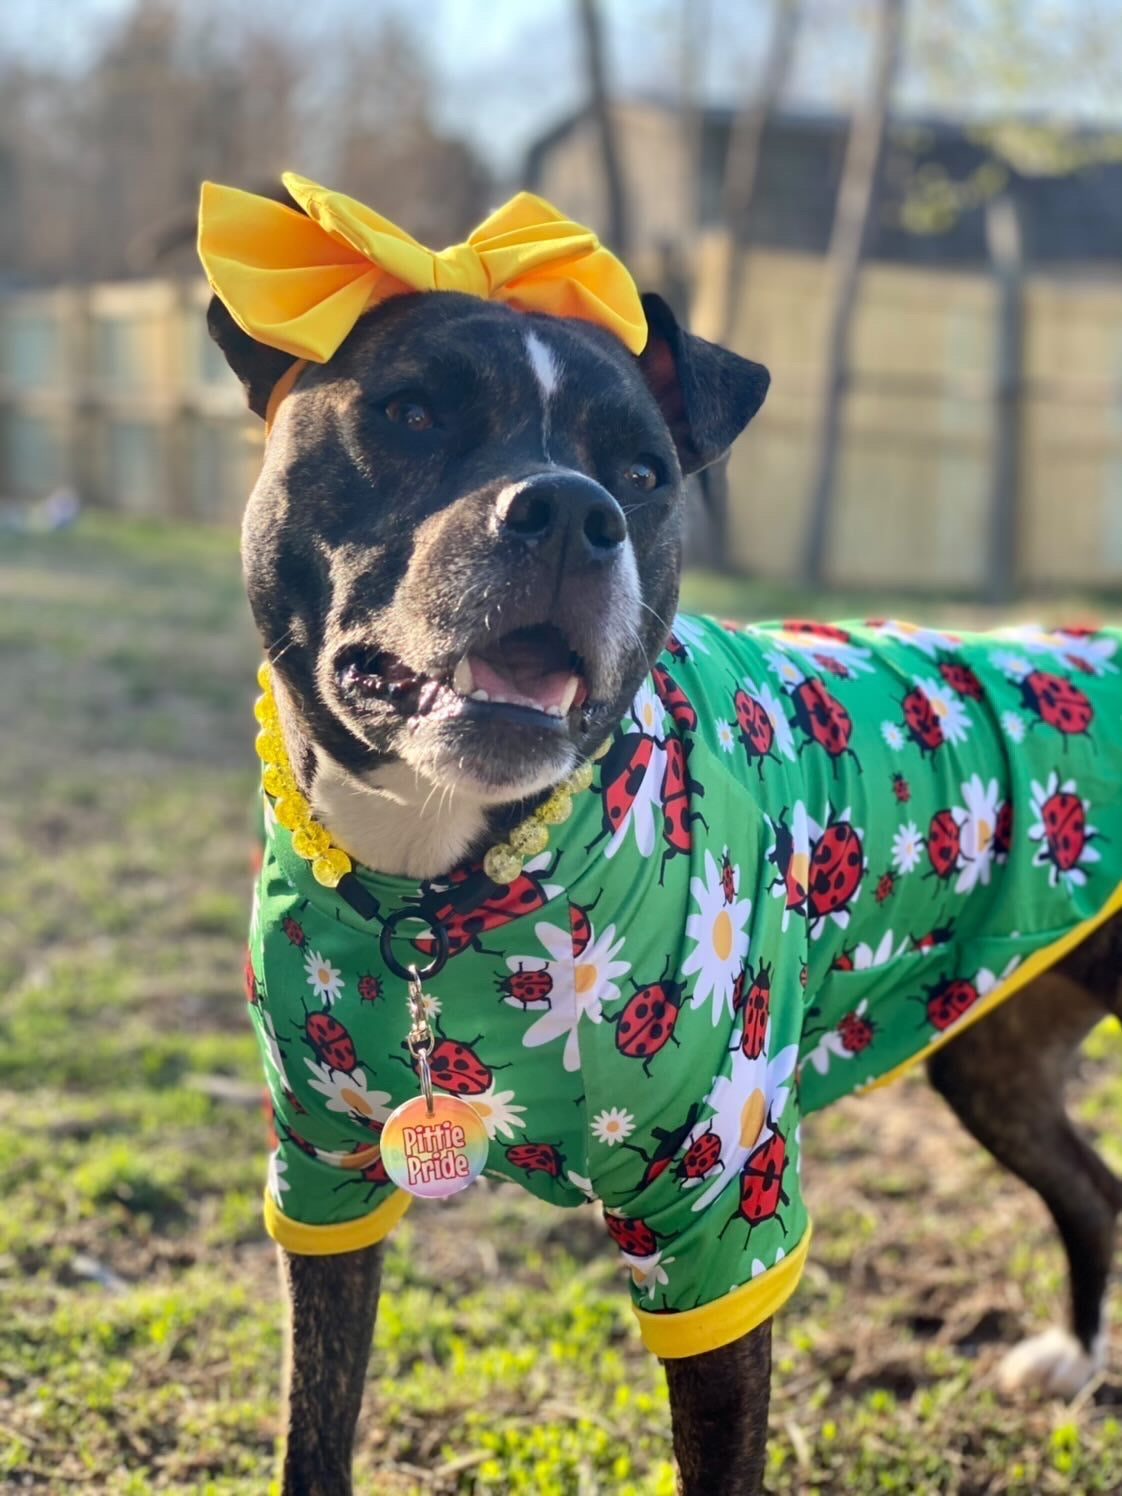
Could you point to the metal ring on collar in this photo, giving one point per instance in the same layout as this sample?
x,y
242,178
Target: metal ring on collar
x,y
385,945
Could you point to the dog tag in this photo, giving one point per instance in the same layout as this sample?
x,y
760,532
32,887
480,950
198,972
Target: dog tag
x,y
436,1150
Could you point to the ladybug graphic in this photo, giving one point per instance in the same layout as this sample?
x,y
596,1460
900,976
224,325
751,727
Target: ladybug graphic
x,y
837,861
843,961
301,1143
947,1002
677,817
823,720
944,845
701,1158
369,988
537,1158
922,720
580,926
374,1175
330,1042
668,1141
728,878
761,1183
856,1032
646,1022
901,788
295,932
294,1103
939,936
1057,702
631,1235
674,699
622,771
676,649
456,1067
757,1006
832,664
793,871
962,680
249,976
756,731
526,989
1065,829
465,925
1003,831
886,887
816,630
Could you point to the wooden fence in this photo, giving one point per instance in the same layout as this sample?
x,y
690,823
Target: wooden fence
x,y
118,391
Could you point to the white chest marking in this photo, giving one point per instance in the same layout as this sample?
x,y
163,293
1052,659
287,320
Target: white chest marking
x,y
546,366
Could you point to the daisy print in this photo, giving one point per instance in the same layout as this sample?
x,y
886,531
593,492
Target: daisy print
x,y
325,980
825,647
783,737
947,706
743,1104
498,1112
1085,652
784,667
272,1049
718,930
908,847
580,986
648,1273
643,816
347,1092
275,1180
868,957
892,735
613,1125
725,736
852,1035
791,855
759,1267
688,631
930,641
580,1182
1013,725
1063,831
977,823
1013,665
647,711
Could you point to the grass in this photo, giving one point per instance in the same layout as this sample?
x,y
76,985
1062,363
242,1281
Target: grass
x,y
140,1325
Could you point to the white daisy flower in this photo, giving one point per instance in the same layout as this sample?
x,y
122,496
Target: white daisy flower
x,y
759,1267
743,1104
725,735
947,706
648,1273
1014,725
892,735
976,825
1015,666
784,666
907,848
583,1184
498,1112
612,1125
643,816
831,1045
987,980
580,986
784,739
277,1183
272,1049
348,1094
690,632
866,957
647,711
431,1005
930,641
793,880
1063,831
718,930
325,980
819,646
1085,652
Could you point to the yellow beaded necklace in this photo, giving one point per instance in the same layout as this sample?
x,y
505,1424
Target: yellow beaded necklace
x,y
502,863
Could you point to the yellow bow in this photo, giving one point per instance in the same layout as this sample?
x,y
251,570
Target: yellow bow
x,y
300,283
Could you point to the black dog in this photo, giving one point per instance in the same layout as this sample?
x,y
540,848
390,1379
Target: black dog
x,y
386,539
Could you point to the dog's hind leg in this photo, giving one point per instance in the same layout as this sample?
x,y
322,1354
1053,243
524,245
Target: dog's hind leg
x,y
718,1409
332,1302
1004,1078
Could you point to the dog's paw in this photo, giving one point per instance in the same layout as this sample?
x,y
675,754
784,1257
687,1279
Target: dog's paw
x,y
1052,1364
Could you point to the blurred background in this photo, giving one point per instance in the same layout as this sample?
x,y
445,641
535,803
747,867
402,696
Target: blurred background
x,y
911,210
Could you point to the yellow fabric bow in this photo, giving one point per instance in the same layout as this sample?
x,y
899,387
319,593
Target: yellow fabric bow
x,y
301,283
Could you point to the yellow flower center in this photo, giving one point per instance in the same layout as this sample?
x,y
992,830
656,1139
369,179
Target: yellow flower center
x,y
355,1100
585,976
324,975
722,935
985,835
481,1107
752,1115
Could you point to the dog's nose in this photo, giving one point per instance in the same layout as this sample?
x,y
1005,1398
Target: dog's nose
x,y
566,510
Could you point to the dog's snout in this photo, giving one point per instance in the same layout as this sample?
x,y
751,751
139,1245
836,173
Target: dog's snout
x,y
568,511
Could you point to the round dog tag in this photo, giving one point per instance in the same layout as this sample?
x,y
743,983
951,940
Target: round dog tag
x,y
434,1154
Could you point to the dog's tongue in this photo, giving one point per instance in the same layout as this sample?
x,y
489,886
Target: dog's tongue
x,y
529,667
523,686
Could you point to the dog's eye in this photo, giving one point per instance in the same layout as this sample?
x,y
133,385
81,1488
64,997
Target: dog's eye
x,y
412,414
642,475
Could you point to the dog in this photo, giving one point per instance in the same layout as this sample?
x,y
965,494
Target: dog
x,y
462,555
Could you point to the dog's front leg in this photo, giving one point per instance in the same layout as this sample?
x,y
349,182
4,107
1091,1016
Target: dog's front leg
x,y
718,1406
332,1302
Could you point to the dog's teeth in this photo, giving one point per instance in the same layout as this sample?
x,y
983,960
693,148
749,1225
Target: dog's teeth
x,y
480,695
463,681
568,695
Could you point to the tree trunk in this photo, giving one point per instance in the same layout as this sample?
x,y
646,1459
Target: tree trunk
x,y
857,199
1003,235
592,35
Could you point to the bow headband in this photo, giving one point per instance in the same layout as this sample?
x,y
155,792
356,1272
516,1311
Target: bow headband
x,y
300,281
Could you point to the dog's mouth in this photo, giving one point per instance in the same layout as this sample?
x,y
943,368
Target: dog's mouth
x,y
530,675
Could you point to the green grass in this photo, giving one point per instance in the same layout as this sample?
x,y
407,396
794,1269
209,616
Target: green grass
x,y
140,1324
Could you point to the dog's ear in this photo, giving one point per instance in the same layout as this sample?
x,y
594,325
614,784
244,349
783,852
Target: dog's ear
x,y
707,395
256,365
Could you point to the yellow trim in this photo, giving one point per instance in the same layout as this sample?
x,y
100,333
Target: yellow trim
x,y
341,1236
1031,967
725,1319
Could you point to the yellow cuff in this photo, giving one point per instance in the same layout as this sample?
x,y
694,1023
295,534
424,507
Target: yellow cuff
x,y
341,1236
726,1319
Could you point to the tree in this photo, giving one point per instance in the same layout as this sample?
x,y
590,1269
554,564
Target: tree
x,y
615,187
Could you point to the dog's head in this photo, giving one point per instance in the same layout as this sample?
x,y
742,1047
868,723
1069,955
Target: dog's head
x,y
463,548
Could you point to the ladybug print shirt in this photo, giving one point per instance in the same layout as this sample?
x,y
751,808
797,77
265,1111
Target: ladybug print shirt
x,y
811,854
